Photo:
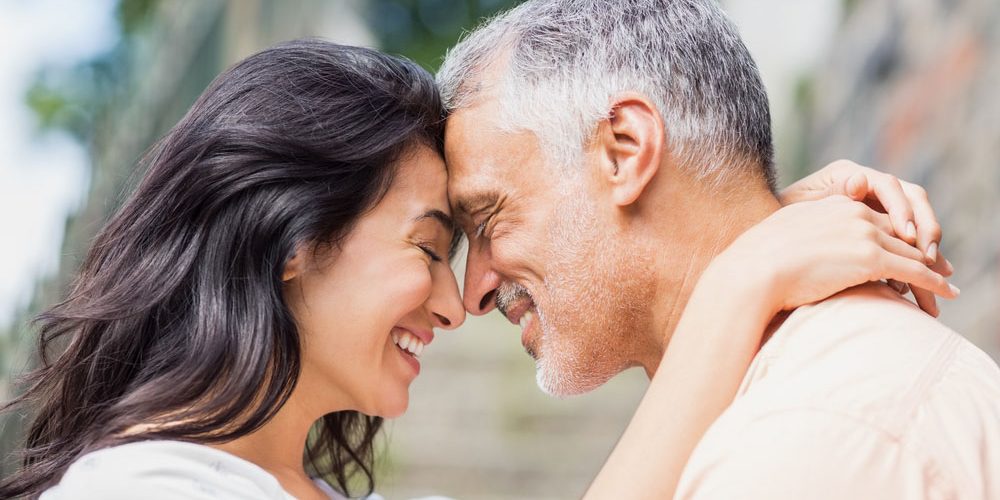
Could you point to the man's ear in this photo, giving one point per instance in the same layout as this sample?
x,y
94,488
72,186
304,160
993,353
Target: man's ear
x,y
632,141
295,265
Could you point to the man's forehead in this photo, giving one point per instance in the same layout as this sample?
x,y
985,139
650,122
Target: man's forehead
x,y
474,139
467,129
474,151
484,160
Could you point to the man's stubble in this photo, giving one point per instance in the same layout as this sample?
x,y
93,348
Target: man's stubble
x,y
595,317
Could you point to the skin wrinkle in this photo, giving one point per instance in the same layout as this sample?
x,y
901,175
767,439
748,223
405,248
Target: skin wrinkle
x,y
672,312
688,278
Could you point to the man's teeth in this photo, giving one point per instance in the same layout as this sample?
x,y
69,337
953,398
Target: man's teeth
x,y
409,343
525,319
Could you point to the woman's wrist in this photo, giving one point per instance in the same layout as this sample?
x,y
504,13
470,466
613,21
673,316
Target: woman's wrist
x,y
742,282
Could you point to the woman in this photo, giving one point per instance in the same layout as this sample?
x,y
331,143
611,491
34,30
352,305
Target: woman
x,y
244,322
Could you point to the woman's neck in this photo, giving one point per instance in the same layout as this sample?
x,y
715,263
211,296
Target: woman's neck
x,y
279,445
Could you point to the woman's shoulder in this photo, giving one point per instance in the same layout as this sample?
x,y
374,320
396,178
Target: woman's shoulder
x,y
164,470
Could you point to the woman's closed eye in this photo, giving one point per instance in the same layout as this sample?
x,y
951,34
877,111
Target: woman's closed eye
x,y
429,250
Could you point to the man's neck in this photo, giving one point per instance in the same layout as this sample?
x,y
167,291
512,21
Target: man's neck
x,y
704,221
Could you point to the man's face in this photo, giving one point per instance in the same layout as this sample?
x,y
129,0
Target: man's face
x,y
545,252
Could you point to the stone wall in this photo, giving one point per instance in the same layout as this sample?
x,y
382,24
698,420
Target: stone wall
x,y
911,86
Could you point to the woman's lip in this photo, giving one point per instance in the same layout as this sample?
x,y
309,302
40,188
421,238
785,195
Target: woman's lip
x,y
410,360
425,336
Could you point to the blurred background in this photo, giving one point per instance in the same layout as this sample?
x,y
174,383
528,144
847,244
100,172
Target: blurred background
x,y
906,86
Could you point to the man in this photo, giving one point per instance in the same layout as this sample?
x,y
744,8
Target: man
x,y
600,155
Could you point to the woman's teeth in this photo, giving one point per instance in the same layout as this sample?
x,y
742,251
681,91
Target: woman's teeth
x,y
525,319
409,343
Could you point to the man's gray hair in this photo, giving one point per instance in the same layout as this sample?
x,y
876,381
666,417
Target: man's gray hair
x,y
559,62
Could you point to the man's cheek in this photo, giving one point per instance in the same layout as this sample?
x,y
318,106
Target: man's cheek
x,y
512,255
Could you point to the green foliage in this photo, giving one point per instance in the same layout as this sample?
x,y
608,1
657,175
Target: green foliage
x,y
424,29
135,14
49,105
849,6
70,99
798,165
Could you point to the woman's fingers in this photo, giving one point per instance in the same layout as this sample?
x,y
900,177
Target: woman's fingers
x,y
925,297
910,213
881,221
856,187
889,193
946,268
900,287
928,228
926,301
917,275
900,247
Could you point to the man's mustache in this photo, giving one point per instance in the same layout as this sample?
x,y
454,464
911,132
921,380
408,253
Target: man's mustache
x,y
510,293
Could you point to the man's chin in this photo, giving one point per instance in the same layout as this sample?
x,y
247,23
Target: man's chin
x,y
565,383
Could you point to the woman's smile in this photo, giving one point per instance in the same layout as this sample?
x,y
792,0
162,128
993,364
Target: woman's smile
x,y
411,343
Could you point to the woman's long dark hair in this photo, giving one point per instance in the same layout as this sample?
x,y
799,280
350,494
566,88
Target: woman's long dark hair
x,y
177,315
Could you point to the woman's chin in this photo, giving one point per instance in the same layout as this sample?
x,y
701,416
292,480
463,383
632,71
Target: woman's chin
x,y
391,407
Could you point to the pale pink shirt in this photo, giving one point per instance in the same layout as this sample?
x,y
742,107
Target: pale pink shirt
x,y
859,396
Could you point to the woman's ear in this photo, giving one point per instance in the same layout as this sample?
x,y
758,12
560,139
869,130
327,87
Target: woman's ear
x,y
295,265
632,139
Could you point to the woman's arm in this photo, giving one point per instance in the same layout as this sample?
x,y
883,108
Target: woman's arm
x,y
803,253
697,379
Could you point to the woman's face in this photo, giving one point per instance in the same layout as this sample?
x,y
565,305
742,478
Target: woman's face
x,y
367,309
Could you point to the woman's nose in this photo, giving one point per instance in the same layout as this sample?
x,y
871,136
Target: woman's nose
x,y
445,303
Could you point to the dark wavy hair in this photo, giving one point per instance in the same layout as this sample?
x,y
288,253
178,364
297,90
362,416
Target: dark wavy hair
x,y
177,316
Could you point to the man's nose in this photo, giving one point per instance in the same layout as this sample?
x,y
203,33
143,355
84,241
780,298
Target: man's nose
x,y
481,281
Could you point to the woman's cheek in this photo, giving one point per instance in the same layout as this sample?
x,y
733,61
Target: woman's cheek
x,y
411,286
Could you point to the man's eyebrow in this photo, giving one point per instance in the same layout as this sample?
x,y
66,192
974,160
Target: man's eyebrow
x,y
440,216
476,202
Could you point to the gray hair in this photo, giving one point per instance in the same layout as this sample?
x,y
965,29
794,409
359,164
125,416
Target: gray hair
x,y
559,62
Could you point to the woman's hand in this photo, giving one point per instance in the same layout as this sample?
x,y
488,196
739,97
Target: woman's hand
x,y
910,214
808,251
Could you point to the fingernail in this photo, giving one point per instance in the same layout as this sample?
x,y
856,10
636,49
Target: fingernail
x,y
954,289
932,252
911,230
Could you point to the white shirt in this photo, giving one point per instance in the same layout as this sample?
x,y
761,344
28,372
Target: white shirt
x,y
169,470
859,396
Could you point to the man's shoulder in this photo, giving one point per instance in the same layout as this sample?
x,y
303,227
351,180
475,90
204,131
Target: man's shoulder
x,y
862,381
866,345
